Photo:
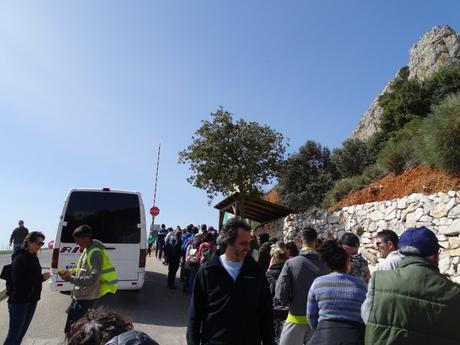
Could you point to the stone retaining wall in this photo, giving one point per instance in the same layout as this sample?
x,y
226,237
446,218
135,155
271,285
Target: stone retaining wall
x,y
440,212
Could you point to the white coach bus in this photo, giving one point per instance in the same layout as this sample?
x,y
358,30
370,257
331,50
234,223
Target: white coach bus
x,y
117,218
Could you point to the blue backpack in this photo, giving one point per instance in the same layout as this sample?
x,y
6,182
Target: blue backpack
x,y
187,238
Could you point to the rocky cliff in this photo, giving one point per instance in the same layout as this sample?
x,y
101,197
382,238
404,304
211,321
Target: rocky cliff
x,y
438,47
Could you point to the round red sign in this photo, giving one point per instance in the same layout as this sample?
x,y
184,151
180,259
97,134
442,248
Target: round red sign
x,y
154,211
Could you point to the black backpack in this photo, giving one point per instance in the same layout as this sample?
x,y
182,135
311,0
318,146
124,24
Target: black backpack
x,y
6,275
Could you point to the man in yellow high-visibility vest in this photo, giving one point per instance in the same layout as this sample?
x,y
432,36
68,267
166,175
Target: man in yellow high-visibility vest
x,y
93,277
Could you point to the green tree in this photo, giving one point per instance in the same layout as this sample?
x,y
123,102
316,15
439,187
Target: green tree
x,y
352,158
407,100
226,156
307,176
375,144
439,139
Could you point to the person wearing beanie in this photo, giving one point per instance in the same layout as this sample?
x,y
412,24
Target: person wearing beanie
x,y
415,303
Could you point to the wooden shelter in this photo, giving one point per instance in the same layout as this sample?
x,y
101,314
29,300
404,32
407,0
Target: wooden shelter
x,y
256,209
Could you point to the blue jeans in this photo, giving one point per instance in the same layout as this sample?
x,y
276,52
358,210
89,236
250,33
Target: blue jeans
x,y
20,317
16,247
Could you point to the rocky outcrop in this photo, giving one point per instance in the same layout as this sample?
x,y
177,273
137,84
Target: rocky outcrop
x,y
440,212
438,47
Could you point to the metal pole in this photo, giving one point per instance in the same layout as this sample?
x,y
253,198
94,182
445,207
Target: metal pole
x,y
156,180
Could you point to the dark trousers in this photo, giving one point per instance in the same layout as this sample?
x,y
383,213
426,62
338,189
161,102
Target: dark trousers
x,y
149,249
184,271
172,270
160,249
76,310
191,278
20,317
338,332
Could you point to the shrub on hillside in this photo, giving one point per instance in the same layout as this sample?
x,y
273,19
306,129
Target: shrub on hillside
x,y
407,100
375,144
345,186
397,156
341,189
409,131
372,173
442,83
439,139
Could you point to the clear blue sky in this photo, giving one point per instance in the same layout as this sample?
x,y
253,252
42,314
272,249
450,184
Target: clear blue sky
x,y
89,88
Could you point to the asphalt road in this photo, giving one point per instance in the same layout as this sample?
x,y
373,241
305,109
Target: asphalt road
x,y
157,311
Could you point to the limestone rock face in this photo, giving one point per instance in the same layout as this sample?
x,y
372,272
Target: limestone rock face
x,y
438,47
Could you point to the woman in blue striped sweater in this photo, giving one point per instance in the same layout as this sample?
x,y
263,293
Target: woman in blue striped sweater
x,y
334,301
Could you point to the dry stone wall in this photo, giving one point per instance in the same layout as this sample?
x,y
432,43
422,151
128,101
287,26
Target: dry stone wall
x,y
440,212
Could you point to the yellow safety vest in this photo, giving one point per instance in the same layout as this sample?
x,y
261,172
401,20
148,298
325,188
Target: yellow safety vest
x,y
108,276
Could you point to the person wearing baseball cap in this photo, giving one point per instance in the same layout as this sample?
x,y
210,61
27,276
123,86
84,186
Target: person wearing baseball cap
x,y
359,265
415,303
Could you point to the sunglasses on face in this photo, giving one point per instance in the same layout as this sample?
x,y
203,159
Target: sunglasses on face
x,y
40,243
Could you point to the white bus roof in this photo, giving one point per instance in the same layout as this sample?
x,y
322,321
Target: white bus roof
x,y
105,189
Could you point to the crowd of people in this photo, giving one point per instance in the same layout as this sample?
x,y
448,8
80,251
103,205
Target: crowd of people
x,y
187,249
256,290
321,291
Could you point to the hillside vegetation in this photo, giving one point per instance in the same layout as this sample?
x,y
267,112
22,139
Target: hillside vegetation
x,y
419,126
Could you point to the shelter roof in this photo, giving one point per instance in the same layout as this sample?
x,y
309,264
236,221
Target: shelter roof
x,y
256,209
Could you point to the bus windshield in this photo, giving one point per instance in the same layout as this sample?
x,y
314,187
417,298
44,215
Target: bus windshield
x,y
114,217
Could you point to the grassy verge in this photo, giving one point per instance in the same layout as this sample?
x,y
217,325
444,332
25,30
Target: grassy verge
x,y
5,252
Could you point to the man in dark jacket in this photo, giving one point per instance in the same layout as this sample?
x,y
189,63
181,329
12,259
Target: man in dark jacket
x,y
18,235
231,302
292,288
173,247
161,241
413,304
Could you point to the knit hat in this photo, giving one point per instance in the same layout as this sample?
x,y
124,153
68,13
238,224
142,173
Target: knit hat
x,y
419,241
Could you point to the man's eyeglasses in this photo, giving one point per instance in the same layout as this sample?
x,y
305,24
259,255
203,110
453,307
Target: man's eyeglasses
x,y
41,244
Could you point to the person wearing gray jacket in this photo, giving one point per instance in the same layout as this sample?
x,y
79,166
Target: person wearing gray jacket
x,y
86,279
292,288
